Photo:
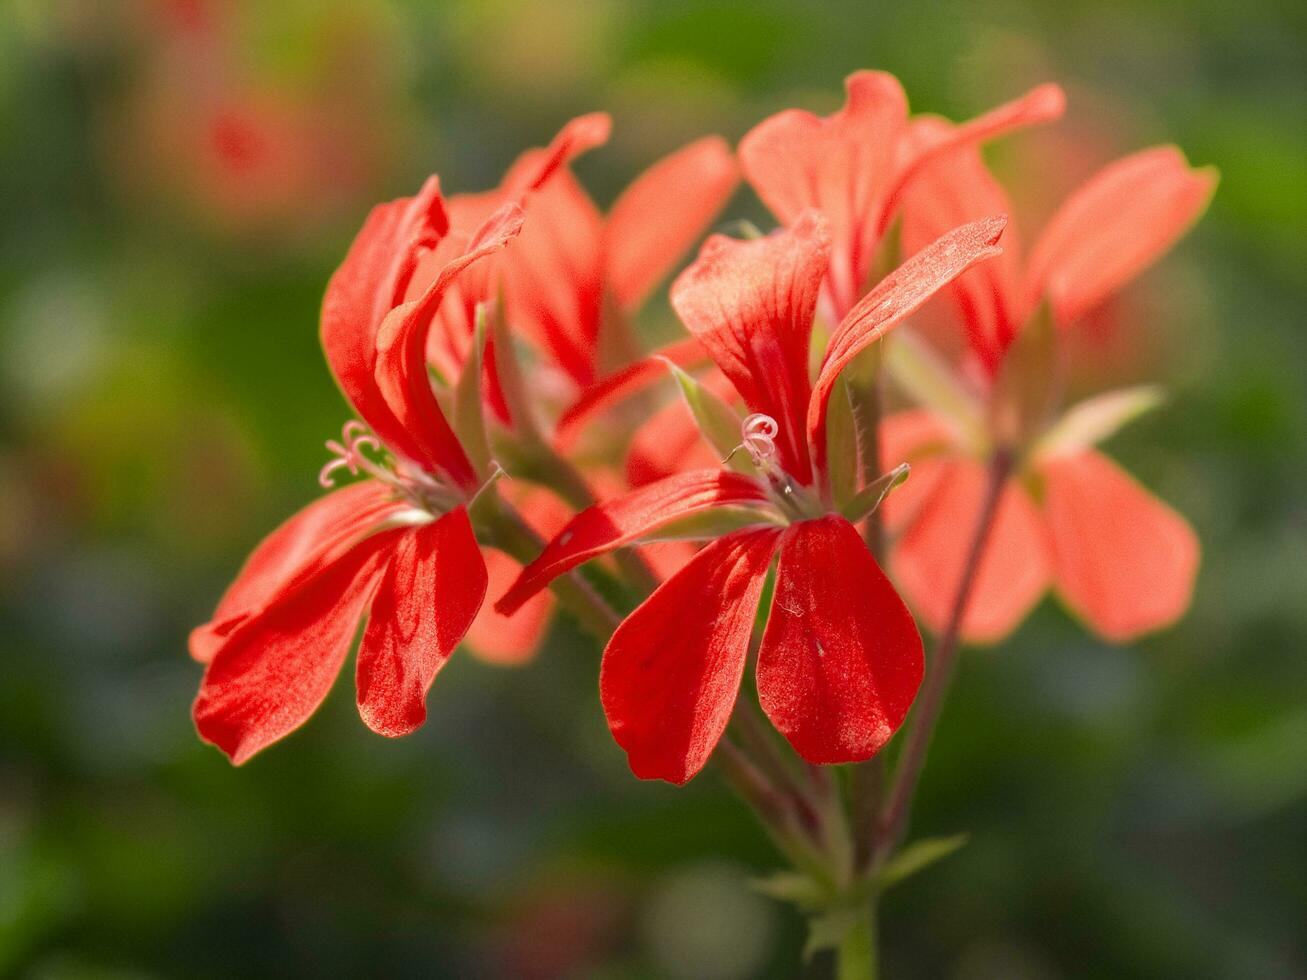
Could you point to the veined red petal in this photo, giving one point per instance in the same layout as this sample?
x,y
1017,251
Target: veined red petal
x,y
622,384
553,275
427,598
672,670
955,188
1123,560
929,557
617,522
894,298
401,367
661,214
668,442
1116,225
369,283
302,546
841,165
1044,103
273,672
841,658
751,304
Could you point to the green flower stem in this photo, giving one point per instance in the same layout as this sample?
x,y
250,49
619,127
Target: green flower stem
x,y
775,810
939,671
856,958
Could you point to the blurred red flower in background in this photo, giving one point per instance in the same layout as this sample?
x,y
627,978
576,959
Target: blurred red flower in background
x,y
1069,518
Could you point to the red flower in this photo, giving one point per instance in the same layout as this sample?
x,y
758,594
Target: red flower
x,y
854,165
1069,518
840,659
397,547
574,274
568,281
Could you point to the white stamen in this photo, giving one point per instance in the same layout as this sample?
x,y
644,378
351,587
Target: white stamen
x,y
759,434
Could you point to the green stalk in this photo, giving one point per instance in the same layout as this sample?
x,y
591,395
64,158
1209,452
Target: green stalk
x,y
856,957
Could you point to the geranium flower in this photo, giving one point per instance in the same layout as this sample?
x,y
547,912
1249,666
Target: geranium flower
x,y
1069,517
397,547
855,164
569,284
840,659
574,275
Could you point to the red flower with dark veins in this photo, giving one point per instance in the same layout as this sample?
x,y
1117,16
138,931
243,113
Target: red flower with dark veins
x,y
1069,518
840,659
397,547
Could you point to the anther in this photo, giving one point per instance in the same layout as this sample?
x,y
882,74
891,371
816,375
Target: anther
x,y
759,434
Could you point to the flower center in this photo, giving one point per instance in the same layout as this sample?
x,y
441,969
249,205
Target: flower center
x,y
421,489
758,437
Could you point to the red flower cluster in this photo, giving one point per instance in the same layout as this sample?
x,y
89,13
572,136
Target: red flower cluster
x,y
436,297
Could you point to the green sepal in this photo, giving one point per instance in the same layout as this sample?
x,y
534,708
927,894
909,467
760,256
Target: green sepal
x,y
508,371
710,524
796,888
469,419
1095,419
718,423
842,456
873,494
918,855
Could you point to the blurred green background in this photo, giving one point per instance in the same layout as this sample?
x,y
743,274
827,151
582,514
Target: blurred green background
x,y
177,181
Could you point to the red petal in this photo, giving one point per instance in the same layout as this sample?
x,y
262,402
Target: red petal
x,y
1124,560
401,368
425,602
668,443
1116,225
272,674
302,546
672,670
553,276
622,384
537,167
498,639
894,298
917,437
956,188
1041,104
841,658
617,522
369,283
842,165
751,304
928,558
663,213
